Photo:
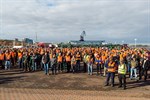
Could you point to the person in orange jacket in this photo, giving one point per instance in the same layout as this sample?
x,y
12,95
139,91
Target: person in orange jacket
x,y
13,57
78,59
20,63
7,60
111,72
2,59
98,62
68,62
60,62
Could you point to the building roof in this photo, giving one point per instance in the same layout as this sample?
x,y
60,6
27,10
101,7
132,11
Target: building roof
x,y
87,42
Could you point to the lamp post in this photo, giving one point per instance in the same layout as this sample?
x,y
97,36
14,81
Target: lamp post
x,y
122,42
135,42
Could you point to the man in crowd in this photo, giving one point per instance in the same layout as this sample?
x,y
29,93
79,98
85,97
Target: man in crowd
x,y
45,61
122,69
2,59
134,65
111,72
7,60
54,64
78,59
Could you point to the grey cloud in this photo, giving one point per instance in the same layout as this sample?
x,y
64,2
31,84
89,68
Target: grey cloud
x,y
113,20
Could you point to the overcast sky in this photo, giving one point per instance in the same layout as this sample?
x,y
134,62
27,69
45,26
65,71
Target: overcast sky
x,y
64,20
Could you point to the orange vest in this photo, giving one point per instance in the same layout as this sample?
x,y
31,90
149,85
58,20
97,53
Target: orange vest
x,y
98,58
111,67
78,57
2,56
12,54
121,57
8,56
68,58
103,59
59,59
19,55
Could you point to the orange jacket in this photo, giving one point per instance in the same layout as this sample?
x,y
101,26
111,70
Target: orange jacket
x,y
59,59
78,57
103,59
68,58
19,55
8,56
2,56
13,54
111,67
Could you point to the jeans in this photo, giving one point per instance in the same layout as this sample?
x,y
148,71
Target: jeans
x,y
99,69
46,68
73,67
54,69
128,66
7,64
25,66
78,65
105,71
135,73
90,66
34,66
60,66
20,63
112,76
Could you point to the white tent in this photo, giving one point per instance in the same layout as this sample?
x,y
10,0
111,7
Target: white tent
x,y
17,47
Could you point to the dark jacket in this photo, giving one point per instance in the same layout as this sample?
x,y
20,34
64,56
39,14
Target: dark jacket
x,y
53,61
147,65
45,59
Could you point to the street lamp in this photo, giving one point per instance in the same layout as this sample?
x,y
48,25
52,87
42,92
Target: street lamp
x,y
135,42
122,42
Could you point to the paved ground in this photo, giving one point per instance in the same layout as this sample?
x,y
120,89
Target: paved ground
x,y
50,94
15,85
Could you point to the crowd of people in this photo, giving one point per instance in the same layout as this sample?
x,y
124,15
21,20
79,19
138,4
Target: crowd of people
x,y
107,62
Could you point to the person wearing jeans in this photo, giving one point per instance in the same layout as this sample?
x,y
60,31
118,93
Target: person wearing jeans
x,y
7,64
34,62
90,65
98,62
8,60
105,66
53,64
45,61
46,68
133,69
111,72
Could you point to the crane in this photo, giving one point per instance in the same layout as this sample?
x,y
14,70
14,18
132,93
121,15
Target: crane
x,y
83,34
